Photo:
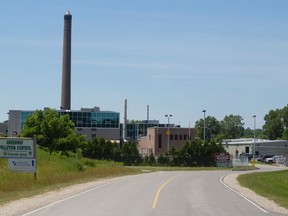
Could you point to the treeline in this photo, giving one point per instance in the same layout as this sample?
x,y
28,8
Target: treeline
x,y
232,127
193,154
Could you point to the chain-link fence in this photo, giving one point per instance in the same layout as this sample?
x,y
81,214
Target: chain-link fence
x,y
281,161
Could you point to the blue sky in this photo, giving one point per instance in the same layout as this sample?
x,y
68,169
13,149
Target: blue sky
x,y
178,57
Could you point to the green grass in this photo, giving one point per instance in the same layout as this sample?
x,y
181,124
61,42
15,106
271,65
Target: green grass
x,y
273,185
55,172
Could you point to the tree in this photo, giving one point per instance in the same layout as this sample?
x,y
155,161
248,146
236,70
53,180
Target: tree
x,y
102,149
130,153
53,132
248,133
212,128
274,126
232,126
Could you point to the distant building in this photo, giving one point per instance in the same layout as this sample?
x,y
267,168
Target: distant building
x,y
4,128
262,146
90,122
156,140
137,129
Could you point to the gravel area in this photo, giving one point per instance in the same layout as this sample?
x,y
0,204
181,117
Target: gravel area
x,y
22,206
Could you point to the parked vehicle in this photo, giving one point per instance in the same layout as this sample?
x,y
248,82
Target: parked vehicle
x,y
263,157
272,159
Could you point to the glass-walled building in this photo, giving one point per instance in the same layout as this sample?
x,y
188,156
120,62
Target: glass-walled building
x,y
90,122
137,129
99,119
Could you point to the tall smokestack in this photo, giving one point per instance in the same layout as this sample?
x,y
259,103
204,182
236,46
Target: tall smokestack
x,y
66,63
125,120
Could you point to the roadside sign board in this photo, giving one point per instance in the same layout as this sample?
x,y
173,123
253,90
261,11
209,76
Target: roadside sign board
x,y
222,156
222,159
22,164
16,147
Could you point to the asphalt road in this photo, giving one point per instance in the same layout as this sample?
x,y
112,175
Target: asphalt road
x,y
157,194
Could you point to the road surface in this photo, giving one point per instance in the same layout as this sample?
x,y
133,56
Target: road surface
x,y
157,194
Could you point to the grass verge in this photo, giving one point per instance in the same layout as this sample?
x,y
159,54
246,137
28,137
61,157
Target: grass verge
x,y
273,185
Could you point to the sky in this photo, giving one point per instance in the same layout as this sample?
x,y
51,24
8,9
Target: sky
x,y
178,57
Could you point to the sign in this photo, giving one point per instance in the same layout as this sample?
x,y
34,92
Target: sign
x,y
16,148
222,159
222,156
22,164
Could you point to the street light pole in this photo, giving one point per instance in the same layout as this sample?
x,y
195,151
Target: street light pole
x,y
204,136
254,139
168,132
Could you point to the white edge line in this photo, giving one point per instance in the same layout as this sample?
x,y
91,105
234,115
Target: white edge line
x,y
67,198
253,203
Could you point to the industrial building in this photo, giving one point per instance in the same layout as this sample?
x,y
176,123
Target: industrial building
x,y
160,139
3,128
90,122
262,146
137,129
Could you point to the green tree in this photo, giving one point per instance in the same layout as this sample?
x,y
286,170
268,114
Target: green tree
x,y
248,133
274,123
53,132
232,126
212,128
102,149
163,160
130,153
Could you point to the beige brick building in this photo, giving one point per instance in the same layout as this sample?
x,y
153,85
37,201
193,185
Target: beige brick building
x,y
157,140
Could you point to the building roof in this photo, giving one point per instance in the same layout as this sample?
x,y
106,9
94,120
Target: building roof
x,y
250,141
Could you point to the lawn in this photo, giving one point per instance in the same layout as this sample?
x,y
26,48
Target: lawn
x,y
273,185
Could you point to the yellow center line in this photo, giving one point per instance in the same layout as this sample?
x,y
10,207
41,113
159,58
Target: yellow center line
x,y
158,192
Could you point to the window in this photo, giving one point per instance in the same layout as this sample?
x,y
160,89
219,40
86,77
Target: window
x,y
185,137
246,149
159,140
176,136
180,137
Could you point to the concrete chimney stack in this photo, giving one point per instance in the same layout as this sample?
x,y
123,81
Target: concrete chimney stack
x,y
66,63
125,120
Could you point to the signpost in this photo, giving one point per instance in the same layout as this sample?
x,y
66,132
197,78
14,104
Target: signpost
x,y
21,154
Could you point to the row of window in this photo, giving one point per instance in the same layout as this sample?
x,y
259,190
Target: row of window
x,y
179,137
95,119
85,119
